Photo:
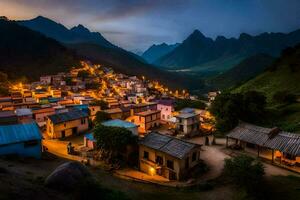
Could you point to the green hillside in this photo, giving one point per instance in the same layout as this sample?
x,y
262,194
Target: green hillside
x,y
245,70
283,75
280,83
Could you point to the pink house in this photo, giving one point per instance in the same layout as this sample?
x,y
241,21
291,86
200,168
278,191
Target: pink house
x,y
166,108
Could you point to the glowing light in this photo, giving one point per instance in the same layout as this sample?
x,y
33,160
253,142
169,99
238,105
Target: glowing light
x,y
151,171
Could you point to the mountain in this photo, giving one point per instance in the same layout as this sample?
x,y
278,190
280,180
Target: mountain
x,y
245,70
200,53
59,32
24,52
156,51
122,61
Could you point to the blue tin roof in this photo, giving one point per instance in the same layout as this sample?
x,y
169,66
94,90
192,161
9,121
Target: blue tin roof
x,y
19,133
119,123
90,136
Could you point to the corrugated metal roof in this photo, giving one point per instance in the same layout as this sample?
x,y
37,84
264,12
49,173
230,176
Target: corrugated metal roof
x,y
282,141
167,144
19,133
67,116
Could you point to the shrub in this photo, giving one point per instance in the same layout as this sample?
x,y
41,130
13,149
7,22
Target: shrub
x,y
244,171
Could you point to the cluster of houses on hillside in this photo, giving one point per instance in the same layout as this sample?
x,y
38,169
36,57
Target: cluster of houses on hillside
x,y
63,105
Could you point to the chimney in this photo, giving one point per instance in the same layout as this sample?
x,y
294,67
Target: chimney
x,y
273,132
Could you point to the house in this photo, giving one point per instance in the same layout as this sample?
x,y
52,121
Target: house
x,y
114,113
45,80
66,124
5,102
21,139
167,156
89,141
187,122
8,117
93,110
122,124
24,115
40,115
212,95
145,120
166,109
271,143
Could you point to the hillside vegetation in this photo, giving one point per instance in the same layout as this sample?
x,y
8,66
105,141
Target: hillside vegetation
x,y
245,70
24,52
282,75
280,83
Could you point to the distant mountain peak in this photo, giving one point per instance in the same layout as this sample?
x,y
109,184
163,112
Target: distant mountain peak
x,y
80,28
197,33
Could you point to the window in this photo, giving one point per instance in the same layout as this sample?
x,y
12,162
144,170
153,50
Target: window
x,y
83,121
170,164
146,155
159,160
194,156
65,125
30,143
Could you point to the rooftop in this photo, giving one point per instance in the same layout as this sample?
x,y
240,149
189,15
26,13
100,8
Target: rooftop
x,y
67,116
186,115
148,112
23,111
272,138
19,133
167,144
119,123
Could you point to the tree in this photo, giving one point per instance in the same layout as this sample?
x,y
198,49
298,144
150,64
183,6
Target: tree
x,y
183,103
103,104
244,171
101,117
113,139
229,108
284,97
226,108
83,74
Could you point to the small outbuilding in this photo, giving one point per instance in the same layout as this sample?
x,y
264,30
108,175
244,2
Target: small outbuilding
x,y
21,139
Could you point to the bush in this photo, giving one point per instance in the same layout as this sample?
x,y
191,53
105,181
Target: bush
x,y
284,97
244,171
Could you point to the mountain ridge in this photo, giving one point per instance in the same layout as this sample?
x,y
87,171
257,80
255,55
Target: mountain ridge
x,y
197,50
59,32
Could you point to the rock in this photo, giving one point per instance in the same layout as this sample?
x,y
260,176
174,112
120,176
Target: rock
x,y
68,176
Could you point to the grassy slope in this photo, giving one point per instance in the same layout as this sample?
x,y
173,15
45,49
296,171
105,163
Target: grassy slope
x,y
271,82
280,77
245,70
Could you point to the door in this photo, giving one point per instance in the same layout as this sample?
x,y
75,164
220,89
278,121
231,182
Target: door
x,y
63,134
74,130
172,175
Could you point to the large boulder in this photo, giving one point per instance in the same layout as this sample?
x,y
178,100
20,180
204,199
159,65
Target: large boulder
x,y
68,176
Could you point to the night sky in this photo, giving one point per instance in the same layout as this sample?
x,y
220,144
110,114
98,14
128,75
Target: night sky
x,y
137,24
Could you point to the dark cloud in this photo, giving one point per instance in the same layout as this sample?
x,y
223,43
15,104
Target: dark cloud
x,y
140,23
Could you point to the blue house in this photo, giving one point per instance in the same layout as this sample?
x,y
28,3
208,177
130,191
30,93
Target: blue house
x,y
22,139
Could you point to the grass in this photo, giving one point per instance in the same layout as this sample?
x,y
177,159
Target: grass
x,y
283,187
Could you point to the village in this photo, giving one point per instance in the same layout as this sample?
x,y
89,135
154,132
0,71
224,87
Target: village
x,y
66,114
